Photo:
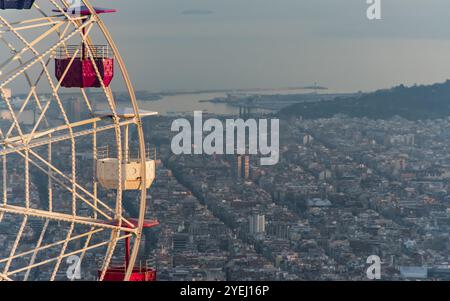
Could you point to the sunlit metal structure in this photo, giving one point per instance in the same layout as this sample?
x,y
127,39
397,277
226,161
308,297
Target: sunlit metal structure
x,y
59,198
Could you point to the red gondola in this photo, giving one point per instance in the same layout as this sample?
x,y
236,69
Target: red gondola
x,y
82,72
87,66
117,273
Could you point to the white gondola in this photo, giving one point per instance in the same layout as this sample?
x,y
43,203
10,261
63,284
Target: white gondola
x,y
131,167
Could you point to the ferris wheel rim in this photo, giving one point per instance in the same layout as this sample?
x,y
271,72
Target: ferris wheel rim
x,y
137,233
143,195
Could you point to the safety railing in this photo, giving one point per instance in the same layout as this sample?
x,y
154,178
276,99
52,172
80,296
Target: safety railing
x,y
106,152
87,51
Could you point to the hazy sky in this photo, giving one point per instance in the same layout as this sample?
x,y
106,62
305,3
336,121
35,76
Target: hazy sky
x,y
279,43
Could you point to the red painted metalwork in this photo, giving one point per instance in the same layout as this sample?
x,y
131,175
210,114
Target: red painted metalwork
x,y
84,11
118,274
81,73
139,273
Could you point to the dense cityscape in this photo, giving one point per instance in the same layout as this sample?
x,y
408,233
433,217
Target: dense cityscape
x,y
343,190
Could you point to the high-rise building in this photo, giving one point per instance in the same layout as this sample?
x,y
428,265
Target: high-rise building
x,y
257,224
241,167
237,166
75,108
180,241
307,139
246,167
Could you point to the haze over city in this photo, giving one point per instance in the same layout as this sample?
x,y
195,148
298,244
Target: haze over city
x,y
203,44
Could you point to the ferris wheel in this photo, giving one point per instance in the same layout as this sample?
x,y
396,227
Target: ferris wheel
x,y
70,147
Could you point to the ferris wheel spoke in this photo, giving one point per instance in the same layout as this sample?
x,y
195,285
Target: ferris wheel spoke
x,y
33,26
40,248
18,54
45,262
109,253
38,122
44,71
51,245
86,245
15,245
16,123
89,194
69,65
12,127
63,250
34,136
95,208
117,128
32,20
4,277
15,147
56,216
71,190
14,50
41,20
55,94
36,249
32,91
30,46
86,100
28,136
50,18
12,75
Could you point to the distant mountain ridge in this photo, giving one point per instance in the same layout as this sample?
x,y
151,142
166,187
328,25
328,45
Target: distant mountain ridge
x,y
414,103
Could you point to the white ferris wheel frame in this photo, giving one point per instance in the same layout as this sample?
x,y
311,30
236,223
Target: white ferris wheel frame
x,y
24,144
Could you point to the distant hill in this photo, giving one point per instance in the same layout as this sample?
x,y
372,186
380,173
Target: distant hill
x,y
417,102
